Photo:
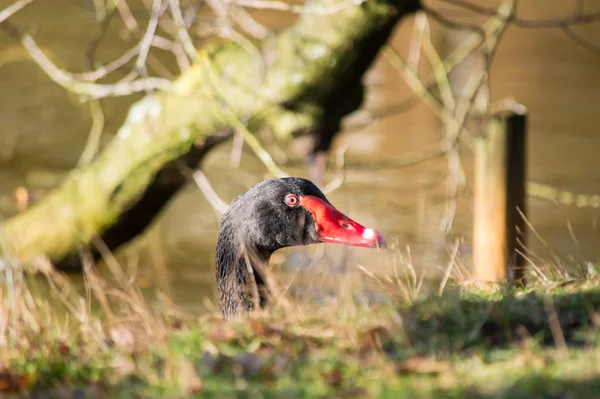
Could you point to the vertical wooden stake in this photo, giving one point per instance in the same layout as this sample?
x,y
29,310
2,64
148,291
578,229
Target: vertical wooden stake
x,y
499,196
516,234
489,227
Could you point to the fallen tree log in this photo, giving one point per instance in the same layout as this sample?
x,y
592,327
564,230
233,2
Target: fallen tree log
x,y
299,81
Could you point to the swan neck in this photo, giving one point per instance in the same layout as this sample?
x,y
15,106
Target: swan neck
x,y
239,284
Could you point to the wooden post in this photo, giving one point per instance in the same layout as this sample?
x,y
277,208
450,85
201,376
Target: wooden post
x,y
500,156
516,234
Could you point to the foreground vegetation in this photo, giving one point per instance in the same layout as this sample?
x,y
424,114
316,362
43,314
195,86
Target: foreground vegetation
x,y
476,342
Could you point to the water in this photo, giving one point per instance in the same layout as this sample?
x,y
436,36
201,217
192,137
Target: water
x,y
44,130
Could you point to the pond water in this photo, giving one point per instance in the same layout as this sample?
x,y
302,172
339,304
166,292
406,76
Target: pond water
x,y
44,130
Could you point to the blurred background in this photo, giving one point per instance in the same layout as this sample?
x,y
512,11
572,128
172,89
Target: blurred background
x,y
44,130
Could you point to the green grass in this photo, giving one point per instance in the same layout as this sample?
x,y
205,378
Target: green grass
x,y
468,343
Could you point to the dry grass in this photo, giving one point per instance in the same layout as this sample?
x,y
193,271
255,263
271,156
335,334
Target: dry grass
x,y
446,338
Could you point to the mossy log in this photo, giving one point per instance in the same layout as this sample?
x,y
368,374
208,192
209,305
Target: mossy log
x,y
301,75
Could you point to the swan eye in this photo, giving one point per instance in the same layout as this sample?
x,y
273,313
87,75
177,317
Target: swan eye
x,y
292,200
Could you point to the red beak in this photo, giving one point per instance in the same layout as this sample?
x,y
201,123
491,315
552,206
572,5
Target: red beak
x,y
333,226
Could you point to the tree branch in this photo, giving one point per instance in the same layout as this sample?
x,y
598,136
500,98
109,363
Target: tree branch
x,y
578,18
118,194
13,9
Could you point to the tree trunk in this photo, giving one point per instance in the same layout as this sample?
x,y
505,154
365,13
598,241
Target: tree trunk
x,y
303,73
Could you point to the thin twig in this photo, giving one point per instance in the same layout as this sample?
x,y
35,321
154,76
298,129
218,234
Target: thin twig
x,y
449,267
255,145
491,27
127,16
240,127
182,31
13,9
581,41
340,163
100,9
104,70
93,90
454,127
418,87
210,194
412,79
439,71
100,30
181,58
435,14
444,112
371,116
402,161
456,124
577,19
146,42
93,142
247,45
455,170
249,24
236,151
269,141
414,50
420,90
298,9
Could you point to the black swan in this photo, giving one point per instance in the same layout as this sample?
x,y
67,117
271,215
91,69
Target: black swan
x,y
275,214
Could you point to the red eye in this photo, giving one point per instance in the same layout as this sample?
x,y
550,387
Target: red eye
x,y
292,200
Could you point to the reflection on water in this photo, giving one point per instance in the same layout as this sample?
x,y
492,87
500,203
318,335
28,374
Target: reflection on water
x,y
44,129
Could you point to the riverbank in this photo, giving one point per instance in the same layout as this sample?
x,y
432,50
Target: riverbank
x,y
470,342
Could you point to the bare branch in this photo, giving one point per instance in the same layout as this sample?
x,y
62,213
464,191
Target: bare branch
x,y
210,194
454,126
414,51
491,31
449,267
412,79
340,156
128,18
182,32
405,160
13,9
375,115
104,19
581,41
120,62
473,7
577,19
104,70
240,127
439,71
419,89
146,42
448,22
100,9
221,10
236,151
93,142
249,24
256,146
93,90
297,9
